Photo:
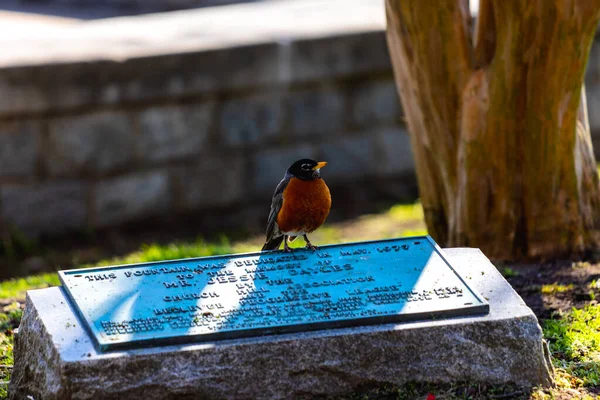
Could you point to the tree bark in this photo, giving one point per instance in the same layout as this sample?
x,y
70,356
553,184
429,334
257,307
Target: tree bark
x,y
498,122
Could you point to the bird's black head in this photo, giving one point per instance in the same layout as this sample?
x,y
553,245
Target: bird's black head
x,y
306,169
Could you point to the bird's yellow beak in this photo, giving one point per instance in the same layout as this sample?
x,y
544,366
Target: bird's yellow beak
x,y
319,165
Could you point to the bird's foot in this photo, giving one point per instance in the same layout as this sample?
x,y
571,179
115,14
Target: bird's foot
x,y
286,247
311,246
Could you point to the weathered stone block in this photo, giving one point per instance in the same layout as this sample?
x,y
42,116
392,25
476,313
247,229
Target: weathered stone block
x,y
48,208
19,94
375,103
592,73
19,148
55,358
317,112
353,54
196,72
94,143
593,103
251,120
92,82
131,197
270,165
213,181
174,132
394,152
349,159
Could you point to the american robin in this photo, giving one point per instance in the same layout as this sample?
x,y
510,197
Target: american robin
x,y
300,205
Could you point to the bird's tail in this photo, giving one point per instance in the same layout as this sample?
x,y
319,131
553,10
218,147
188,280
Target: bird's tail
x,y
273,244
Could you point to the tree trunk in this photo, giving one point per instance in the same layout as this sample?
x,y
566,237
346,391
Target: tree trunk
x,y
498,122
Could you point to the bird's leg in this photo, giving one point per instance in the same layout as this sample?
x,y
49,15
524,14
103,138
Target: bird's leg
x,y
286,247
309,245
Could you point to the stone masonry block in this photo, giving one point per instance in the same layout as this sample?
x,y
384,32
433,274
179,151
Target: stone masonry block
x,y
68,85
251,120
174,132
375,103
270,165
49,208
593,103
19,148
349,159
335,57
213,181
394,152
592,73
94,143
131,197
317,112
55,358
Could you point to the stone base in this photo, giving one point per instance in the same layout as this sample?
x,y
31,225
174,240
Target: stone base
x,y
55,358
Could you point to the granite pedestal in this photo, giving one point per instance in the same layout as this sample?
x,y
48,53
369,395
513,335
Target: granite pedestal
x,y
56,359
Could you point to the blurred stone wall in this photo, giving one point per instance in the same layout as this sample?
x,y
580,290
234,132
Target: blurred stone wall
x,y
129,6
206,135
87,145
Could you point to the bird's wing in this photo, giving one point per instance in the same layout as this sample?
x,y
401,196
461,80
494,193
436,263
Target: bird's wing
x,y
272,227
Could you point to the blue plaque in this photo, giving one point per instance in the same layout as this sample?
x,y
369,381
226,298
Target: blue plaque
x,y
241,295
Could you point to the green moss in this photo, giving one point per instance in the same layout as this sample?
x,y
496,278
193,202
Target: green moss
x,y
6,359
575,344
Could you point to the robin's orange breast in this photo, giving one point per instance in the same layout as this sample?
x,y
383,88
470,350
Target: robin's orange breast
x,y
305,207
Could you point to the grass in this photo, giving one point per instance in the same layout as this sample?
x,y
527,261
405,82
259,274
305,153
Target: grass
x,y
16,288
556,288
399,220
6,362
175,250
9,317
575,344
574,336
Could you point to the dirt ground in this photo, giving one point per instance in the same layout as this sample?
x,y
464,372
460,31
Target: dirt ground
x,y
552,287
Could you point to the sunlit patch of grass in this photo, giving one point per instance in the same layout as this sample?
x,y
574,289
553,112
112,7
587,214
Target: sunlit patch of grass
x,y
575,344
556,288
171,251
407,212
413,232
399,221
16,288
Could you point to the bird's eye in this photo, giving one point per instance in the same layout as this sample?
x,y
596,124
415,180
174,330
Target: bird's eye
x,y
306,167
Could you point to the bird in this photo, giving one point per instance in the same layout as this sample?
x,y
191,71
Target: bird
x,y
300,204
